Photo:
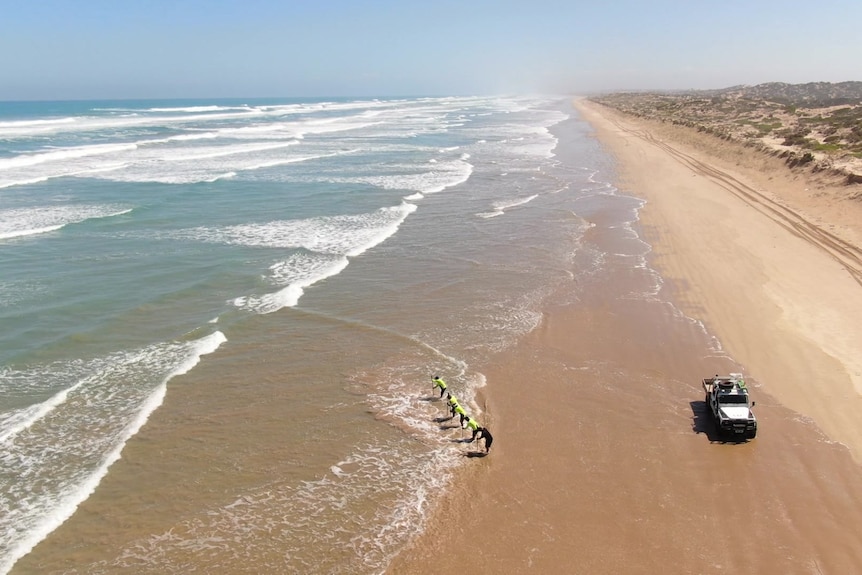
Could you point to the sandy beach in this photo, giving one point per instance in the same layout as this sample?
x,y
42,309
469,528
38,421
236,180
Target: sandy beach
x,y
770,260
604,459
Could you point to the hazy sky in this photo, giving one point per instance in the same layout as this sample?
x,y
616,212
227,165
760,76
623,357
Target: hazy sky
x,y
68,49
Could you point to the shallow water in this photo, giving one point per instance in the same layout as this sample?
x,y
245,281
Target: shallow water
x,y
245,302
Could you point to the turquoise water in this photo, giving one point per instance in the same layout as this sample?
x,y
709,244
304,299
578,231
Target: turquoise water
x,y
140,240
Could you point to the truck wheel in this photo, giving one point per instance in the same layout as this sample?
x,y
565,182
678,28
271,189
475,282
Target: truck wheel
x,y
751,434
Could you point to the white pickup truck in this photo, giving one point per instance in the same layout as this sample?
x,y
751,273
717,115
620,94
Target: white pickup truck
x,y
727,400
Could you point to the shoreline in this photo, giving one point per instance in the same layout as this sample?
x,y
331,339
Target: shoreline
x,y
607,463
794,254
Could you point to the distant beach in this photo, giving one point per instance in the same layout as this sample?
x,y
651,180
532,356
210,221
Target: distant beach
x,y
605,460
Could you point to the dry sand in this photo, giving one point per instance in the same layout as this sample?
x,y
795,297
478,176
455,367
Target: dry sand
x,y
604,460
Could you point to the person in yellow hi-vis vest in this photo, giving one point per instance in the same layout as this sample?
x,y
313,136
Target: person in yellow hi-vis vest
x,y
438,382
453,401
472,424
456,408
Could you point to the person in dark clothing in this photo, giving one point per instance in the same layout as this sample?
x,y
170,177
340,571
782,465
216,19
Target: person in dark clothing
x,y
483,434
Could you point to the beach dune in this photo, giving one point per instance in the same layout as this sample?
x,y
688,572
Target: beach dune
x,y
605,460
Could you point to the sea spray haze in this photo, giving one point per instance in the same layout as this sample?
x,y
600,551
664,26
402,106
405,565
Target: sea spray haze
x,y
252,297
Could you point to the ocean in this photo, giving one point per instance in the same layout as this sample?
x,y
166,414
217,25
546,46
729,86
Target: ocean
x,y
220,318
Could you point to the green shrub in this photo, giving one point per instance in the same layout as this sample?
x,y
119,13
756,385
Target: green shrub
x,y
831,147
795,139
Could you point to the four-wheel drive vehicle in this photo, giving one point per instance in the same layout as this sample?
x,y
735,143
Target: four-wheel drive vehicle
x,y
727,400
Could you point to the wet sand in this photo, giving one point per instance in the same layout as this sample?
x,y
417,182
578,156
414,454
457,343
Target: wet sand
x,y
604,458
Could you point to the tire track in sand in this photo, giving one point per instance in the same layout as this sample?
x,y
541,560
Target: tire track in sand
x,y
845,253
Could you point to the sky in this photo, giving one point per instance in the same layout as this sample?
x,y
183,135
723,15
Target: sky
x,y
112,49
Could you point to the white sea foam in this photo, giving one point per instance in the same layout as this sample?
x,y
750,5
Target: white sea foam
x,y
27,160
396,111
348,235
181,138
185,116
84,172
442,176
169,159
223,151
39,220
332,125
296,274
76,161
499,208
90,420
41,122
28,232
24,182
100,123
331,241
494,323
203,164
268,131
293,160
196,109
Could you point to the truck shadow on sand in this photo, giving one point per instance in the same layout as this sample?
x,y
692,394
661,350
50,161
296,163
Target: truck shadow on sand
x,y
702,422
